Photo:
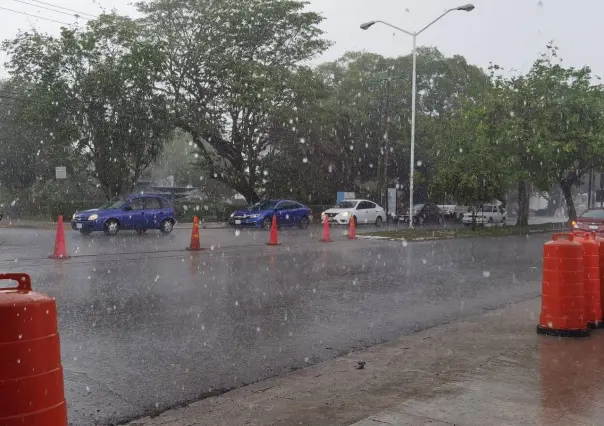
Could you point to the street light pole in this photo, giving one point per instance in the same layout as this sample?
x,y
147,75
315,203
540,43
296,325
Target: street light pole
x,y
366,26
412,156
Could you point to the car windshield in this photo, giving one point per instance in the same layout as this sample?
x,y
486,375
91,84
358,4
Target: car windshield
x,y
346,205
115,204
264,205
593,214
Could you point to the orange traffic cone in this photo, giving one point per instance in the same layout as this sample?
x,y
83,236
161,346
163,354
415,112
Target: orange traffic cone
x,y
352,232
273,238
326,238
60,246
195,246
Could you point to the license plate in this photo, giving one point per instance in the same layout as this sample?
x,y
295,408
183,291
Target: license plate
x,y
593,227
78,226
237,222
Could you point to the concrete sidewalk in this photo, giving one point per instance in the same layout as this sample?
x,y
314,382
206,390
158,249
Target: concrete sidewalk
x,y
489,369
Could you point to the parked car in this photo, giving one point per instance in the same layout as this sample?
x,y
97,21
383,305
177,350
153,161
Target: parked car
x,y
591,220
260,215
362,211
425,213
453,211
136,212
487,214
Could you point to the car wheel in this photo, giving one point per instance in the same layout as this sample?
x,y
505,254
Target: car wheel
x,y
111,227
85,232
267,223
379,221
166,226
304,223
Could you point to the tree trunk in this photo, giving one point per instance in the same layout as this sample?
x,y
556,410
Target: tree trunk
x,y
250,194
523,204
568,196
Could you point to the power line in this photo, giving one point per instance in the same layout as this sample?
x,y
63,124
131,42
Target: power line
x,y
63,8
34,16
77,15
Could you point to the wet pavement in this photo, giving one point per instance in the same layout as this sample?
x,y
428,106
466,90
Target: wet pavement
x,y
146,325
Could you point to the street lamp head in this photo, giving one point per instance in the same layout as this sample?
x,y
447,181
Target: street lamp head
x,y
466,7
367,25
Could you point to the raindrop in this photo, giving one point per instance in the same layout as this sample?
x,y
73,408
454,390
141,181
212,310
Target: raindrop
x,y
237,232
460,150
512,114
236,303
305,160
306,359
419,163
87,388
486,274
302,140
404,243
257,329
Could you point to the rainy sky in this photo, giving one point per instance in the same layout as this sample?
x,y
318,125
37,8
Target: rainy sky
x,y
510,33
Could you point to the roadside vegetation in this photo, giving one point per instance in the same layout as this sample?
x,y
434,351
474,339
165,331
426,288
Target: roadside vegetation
x,y
119,100
419,234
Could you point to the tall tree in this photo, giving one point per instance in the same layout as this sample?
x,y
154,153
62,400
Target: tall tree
x,y
96,92
228,67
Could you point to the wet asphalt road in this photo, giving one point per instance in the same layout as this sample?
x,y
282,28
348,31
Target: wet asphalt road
x,y
146,325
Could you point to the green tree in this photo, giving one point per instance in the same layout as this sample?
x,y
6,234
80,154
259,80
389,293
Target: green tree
x,y
556,123
229,67
95,91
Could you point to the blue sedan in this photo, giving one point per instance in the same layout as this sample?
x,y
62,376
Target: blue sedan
x,y
260,215
136,212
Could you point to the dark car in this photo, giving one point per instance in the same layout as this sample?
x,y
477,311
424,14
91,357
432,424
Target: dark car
x,y
590,221
260,215
425,213
136,212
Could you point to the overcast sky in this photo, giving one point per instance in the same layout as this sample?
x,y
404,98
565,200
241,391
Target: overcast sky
x,y
510,33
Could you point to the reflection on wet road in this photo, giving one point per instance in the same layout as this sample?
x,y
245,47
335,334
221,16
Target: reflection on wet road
x,y
146,325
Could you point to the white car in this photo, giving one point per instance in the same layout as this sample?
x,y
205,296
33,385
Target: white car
x,y
487,214
363,212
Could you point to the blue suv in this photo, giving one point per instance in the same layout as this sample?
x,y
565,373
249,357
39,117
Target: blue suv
x,y
136,212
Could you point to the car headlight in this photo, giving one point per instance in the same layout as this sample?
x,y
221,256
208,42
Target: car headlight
x,y
93,217
346,214
73,217
254,216
233,214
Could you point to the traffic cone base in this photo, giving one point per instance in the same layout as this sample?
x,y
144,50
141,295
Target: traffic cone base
x,y
195,245
326,238
273,239
60,246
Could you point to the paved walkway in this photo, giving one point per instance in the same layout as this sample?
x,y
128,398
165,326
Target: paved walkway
x,y
490,369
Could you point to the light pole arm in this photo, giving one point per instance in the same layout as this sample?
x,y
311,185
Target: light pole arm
x,y
397,28
435,21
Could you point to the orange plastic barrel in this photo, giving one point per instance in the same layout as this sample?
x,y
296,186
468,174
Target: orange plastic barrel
x,y
31,375
601,241
563,289
591,266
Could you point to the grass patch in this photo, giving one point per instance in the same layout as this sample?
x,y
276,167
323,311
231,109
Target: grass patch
x,y
447,233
